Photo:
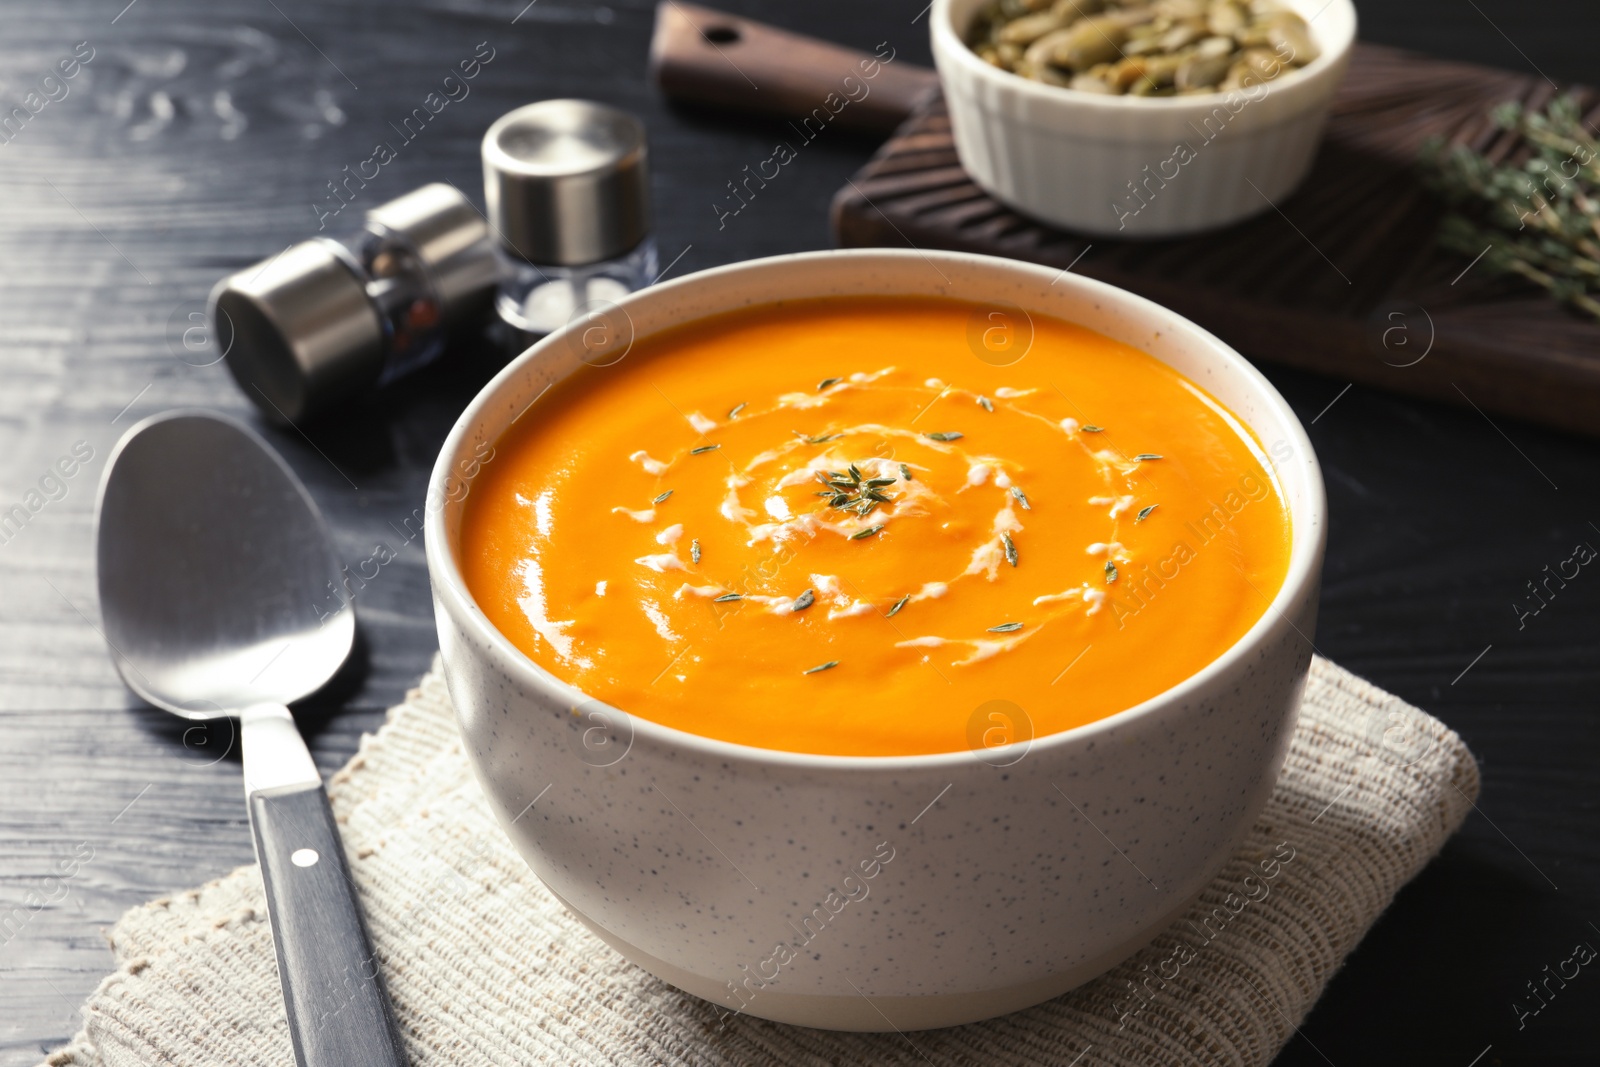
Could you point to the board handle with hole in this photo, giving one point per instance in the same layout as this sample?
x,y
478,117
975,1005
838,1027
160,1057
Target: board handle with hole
x,y
702,56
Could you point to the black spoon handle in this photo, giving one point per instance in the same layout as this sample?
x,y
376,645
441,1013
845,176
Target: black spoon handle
x,y
339,1014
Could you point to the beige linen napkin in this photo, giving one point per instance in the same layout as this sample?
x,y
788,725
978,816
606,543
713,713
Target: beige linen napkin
x,y
485,967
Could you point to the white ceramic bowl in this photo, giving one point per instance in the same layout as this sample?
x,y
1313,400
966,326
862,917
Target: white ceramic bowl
x,y
946,888
1116,165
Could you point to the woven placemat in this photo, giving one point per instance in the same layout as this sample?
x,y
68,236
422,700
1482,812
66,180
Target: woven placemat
x,y
485,967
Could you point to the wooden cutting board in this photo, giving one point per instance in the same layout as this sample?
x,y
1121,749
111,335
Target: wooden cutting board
x,y
1343,278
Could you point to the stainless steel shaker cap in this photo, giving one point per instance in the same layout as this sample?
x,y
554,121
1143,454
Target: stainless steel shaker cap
x,y
298,330
567,182
451,237
302,330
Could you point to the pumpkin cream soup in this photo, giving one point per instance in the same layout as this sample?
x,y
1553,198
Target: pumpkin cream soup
x,y
827,527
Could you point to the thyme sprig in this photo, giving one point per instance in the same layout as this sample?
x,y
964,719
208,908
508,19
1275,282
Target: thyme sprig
x,y
1539,220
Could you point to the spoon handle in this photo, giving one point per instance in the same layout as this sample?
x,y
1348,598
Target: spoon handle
x,y
339,1014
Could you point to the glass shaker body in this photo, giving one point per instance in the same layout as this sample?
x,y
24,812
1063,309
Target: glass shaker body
x,y
391,271
537,299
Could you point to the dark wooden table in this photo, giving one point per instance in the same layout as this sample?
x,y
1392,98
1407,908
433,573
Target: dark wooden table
x,y
200,136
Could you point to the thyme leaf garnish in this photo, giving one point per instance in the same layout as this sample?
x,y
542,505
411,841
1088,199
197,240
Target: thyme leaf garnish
x,y
703,448
1006,628
805,600
1022,498
827,382
898,604
1148,455
1011,548
985,403
821,439
1111,572
828,666
868,532
943,435
694,550
850,492
725,597
1144,513
734,413
1092,429
662,499
905,472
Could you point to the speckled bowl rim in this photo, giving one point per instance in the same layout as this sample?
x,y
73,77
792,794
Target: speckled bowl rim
x,y
951,45
1308,528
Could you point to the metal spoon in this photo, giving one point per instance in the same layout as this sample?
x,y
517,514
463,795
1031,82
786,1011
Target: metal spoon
x,y
215,572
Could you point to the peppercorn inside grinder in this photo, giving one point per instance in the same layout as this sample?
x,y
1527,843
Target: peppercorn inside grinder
x,y
567,187
329,318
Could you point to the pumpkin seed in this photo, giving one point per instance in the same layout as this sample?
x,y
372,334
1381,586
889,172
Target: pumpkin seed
x,y
1143,47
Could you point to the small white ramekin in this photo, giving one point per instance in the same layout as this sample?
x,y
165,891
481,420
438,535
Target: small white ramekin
x,y
1115,166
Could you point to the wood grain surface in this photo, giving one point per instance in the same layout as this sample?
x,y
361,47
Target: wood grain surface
x,y
1342,277
201,137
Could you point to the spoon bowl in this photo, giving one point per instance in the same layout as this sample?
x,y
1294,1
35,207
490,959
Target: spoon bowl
x,y
219,588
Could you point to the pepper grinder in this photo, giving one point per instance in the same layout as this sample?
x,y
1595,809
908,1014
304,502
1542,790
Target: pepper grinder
x,y
327,319
568,191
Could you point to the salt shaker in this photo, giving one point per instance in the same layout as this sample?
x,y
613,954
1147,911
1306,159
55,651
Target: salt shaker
x,y
568,192
329,318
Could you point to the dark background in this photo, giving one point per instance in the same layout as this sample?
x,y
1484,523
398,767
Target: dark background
x,y
196,141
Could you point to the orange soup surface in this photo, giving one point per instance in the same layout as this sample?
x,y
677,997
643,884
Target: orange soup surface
x,y
829,527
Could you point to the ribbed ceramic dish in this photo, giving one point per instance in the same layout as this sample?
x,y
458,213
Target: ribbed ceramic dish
x,y
1128,166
